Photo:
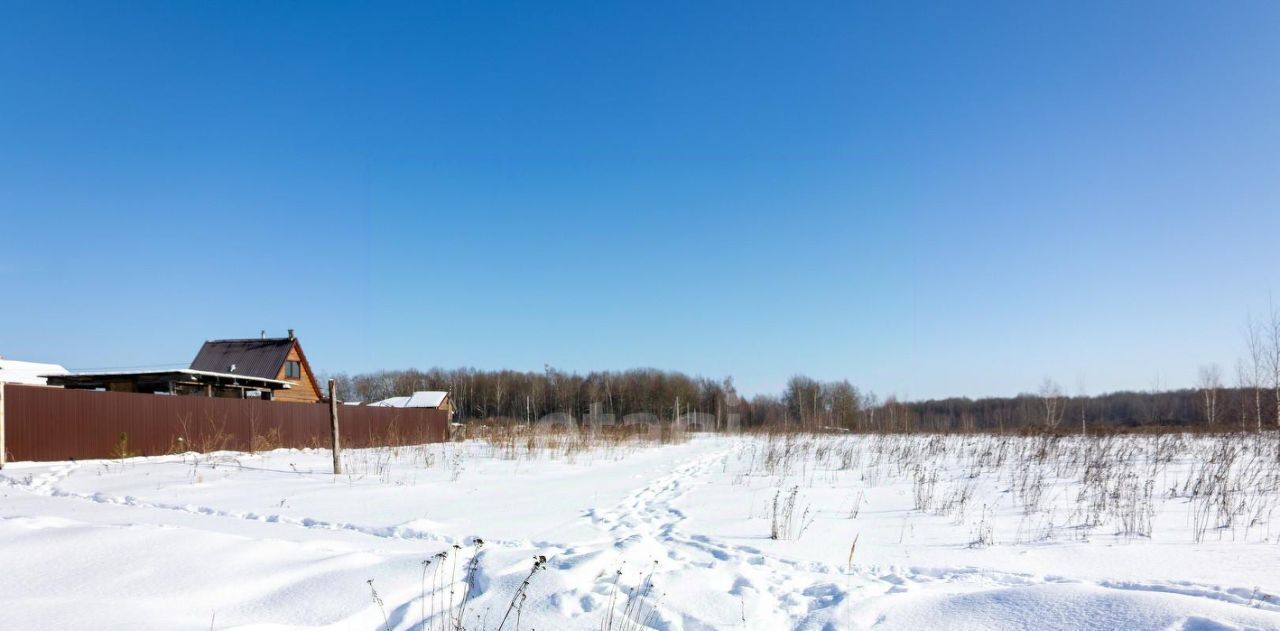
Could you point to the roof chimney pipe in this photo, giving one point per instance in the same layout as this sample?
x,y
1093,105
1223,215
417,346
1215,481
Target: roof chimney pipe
x,y
290,333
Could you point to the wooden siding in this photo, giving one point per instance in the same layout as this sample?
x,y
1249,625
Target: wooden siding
x,y
304,389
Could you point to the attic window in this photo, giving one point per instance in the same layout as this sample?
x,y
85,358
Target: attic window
x,y
292,370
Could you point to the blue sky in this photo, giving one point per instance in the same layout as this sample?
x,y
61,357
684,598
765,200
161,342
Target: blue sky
x,y
927,199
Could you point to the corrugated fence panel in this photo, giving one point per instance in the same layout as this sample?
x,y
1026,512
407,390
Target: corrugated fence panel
x,y
56,424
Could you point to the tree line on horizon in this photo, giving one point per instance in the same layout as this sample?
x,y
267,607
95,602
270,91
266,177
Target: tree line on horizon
x,y
1251,403
805,403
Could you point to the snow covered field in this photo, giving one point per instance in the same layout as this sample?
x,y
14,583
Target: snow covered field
x,y
951,532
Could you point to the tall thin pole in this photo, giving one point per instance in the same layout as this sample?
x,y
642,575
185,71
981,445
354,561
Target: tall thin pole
x,y
333,426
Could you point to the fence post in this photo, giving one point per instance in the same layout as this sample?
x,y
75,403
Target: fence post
x,y
333,425
1,424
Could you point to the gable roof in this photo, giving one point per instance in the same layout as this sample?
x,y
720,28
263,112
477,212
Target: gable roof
x,y
260,358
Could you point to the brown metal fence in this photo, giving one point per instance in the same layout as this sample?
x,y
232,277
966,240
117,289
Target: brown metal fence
x,y
56,424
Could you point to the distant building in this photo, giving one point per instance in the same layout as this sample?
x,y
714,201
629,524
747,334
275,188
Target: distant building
x,y
432,399
27,373
264,368
279,359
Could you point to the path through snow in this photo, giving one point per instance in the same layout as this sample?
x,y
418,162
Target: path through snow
x,y
271,542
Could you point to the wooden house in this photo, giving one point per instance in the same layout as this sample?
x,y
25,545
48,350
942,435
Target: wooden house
x,y
279,359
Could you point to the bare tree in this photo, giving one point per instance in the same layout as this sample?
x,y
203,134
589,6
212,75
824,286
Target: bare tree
x,y
1254,364
1051,399
1244,384
1156,408
869,403
1084,401
1272,357
1210,382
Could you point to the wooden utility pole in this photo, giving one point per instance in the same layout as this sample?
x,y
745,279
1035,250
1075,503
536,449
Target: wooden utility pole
x,y
333,426
1,424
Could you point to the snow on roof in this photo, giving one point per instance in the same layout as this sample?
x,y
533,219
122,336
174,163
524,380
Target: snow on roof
x,y
31,373
422,399
180,371
431,399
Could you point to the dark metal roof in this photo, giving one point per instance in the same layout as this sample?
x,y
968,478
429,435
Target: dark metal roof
x,y
260,358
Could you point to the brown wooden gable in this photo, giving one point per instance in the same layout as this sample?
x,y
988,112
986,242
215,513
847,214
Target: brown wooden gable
x,y
307,389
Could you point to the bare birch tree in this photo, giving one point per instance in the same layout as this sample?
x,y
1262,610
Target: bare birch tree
x,y
1272,356
1210,381
1243,385
1051,399
1254,364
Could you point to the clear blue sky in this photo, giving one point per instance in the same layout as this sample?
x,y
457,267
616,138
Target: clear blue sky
x,y
958,198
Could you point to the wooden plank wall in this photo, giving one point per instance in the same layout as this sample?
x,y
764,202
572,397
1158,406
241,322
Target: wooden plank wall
x,y
301,390
47,424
